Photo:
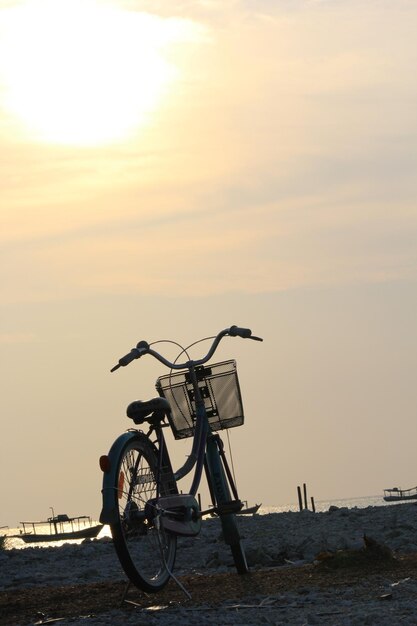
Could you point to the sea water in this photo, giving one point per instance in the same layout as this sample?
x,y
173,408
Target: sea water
x,y
323,505
320,506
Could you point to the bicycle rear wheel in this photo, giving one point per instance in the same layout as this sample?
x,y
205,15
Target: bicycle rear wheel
x,y
146,553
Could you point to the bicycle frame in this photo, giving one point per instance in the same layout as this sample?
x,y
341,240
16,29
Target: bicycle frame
x,y
175,513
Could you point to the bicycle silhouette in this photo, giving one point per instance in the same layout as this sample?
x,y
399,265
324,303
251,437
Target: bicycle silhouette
x,y
141,500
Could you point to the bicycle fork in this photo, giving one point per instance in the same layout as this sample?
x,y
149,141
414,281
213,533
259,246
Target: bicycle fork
x,y
219,477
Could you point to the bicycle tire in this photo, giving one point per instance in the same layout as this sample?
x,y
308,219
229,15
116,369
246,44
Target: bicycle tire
x,y
239,558
232,538
147,554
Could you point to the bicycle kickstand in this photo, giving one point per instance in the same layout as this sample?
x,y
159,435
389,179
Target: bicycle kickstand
x,y
157,522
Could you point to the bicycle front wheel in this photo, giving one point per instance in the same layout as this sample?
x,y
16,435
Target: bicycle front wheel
x,y
146,552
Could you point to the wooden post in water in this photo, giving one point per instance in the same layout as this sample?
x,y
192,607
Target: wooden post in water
x,y
300,502
313,506
305,495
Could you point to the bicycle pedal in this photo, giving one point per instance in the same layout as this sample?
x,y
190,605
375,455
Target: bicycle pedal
x,y
180,514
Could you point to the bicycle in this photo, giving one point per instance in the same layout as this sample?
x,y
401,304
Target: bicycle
x,y
141,501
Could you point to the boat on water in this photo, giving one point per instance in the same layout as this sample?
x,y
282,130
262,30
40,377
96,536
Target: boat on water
x,y
397,495
245,510
59,528
249,510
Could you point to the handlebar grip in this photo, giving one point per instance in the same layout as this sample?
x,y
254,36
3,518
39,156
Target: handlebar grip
x,y
127,358
135,353
236,331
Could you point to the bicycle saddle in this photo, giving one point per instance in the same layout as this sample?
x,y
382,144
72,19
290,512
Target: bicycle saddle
x,y
139,410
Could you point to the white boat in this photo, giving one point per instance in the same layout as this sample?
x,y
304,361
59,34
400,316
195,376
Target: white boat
x,y
59,528
397,495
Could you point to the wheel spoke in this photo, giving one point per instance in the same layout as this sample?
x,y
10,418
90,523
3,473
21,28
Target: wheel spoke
x,y
145,552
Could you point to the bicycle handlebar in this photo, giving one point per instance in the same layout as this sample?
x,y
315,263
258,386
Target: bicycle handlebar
x,y
143,348
245,333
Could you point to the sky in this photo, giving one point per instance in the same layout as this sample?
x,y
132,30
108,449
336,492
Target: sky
x,y
170,169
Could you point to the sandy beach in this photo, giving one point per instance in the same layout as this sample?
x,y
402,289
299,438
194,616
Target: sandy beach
x,y
306,568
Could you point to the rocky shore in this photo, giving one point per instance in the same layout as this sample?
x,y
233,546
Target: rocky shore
x,y
365,582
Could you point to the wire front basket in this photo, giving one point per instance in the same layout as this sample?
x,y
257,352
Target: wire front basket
x,y
219,387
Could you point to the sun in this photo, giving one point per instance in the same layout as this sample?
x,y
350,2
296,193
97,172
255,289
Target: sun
x,y
82,71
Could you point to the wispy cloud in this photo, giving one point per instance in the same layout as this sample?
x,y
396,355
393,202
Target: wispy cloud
x,y
276,183
286,157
